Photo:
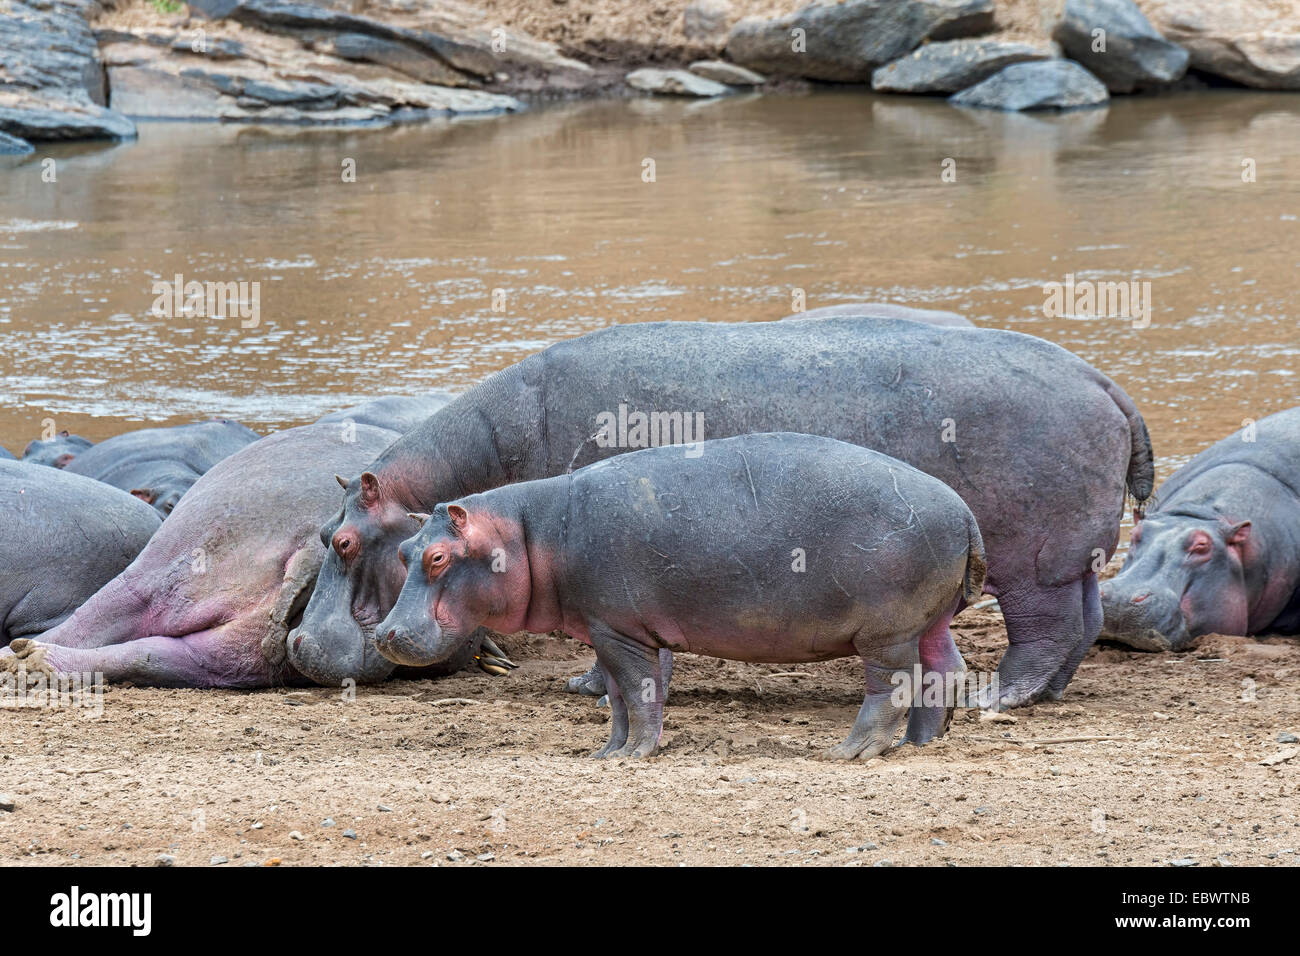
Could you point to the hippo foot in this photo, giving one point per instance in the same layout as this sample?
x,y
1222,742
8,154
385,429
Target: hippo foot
x,y
855,750
492,660
26,655
590,684
925,724
630,749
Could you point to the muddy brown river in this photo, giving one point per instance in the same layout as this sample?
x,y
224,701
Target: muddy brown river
x,y
463,246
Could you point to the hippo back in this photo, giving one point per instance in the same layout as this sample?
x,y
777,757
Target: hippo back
x,y
1275,451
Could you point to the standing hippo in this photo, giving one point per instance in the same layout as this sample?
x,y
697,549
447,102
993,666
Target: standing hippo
x,y
56,452
1219,553
158,465
228,571
399,413
885,310
769,547
1037,442
65,536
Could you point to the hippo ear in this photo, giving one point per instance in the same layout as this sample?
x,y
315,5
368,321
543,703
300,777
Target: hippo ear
x,y
458,515
419,516
147,495
369,488
62,461
65,433
343,482
1237,535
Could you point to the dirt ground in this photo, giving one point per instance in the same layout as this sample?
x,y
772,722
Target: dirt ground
x,y
479,770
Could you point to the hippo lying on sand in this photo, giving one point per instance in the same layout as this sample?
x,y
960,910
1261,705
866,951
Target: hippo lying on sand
x,y
158,465
56,451
1219,553
771,547
65,536
400,413
1038,443
227,572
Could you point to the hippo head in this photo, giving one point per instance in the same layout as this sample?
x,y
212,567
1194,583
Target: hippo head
x,y
56,451
164,491
450,588
358,582
1183,578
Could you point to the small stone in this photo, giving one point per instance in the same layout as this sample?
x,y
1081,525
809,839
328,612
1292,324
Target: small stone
x,y
426,855
1285,737
349,834
384,809
295,835
883,863
720,71
257,826
674,83
937,842
486,857
7,803
1183,861
217,861
164,859
441,798
327,822
455,856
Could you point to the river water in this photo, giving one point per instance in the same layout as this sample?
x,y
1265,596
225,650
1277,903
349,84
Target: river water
x,y
463,246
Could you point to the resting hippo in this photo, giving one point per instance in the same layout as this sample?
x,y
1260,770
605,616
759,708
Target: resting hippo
x,y
1038,443
5,454
65,536
158,465
227,571
400,413
1219,553
768,547
885,310
56,451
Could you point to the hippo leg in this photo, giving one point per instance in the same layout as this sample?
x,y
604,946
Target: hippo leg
x,y
617,723
202,659
941,665
295,591
881,714
636,685
1092,615
590,684
1045,627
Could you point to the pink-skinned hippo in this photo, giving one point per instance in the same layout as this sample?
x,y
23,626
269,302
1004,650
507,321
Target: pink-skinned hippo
x,y
1038,443
225,575
399,413
56,452
885,310
779,548
66,536
1219,551
158,465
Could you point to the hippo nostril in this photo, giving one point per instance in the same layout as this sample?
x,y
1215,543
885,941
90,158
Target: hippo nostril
x,y
297,642
1139,598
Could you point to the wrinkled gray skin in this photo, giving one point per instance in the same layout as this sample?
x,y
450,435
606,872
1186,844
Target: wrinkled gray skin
x,y
57,451
1219,553
158,465
209,600
885,310
778,548
1041,446
65,536
400,413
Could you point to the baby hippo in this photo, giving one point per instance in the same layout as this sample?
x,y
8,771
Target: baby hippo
x,y
770,547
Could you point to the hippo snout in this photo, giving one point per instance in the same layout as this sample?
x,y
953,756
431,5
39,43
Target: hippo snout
x,y
1145,619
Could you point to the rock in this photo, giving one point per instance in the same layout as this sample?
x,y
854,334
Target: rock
x,y
674,83
1135,55
1045,85
164,859
217,861
1248,43
7,803
12,145
1183,861
403,58
455,856
1286,737
706,21
295,835
956,64
349,834
844,42
720,71
327,822
51,79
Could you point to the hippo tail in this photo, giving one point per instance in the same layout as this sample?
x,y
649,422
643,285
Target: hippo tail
x,y
976,562
1141,477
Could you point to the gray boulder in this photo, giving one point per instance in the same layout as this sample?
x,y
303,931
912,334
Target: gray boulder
x,y
1134,55
1252,44
13,146
1046,85
720,71
956,64
674,83
844,42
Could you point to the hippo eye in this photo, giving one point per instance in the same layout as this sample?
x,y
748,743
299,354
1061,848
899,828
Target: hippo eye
x,y
435,562
344,546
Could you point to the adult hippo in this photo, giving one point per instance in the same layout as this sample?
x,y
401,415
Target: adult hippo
x,y
885,310
227,571
1038,443
400,413
56,452
158,465
6,454
1219,552
65,536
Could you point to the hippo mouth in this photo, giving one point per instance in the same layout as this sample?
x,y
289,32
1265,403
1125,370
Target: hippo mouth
x,y
331,658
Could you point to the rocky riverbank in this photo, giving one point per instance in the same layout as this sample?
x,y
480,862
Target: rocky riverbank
x,y
80,69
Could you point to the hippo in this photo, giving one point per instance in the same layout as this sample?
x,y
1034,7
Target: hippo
x,y
885,310
158,465
56,451
227,571
66,536
767,547
400,413
1219,550
6,454
1039,444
